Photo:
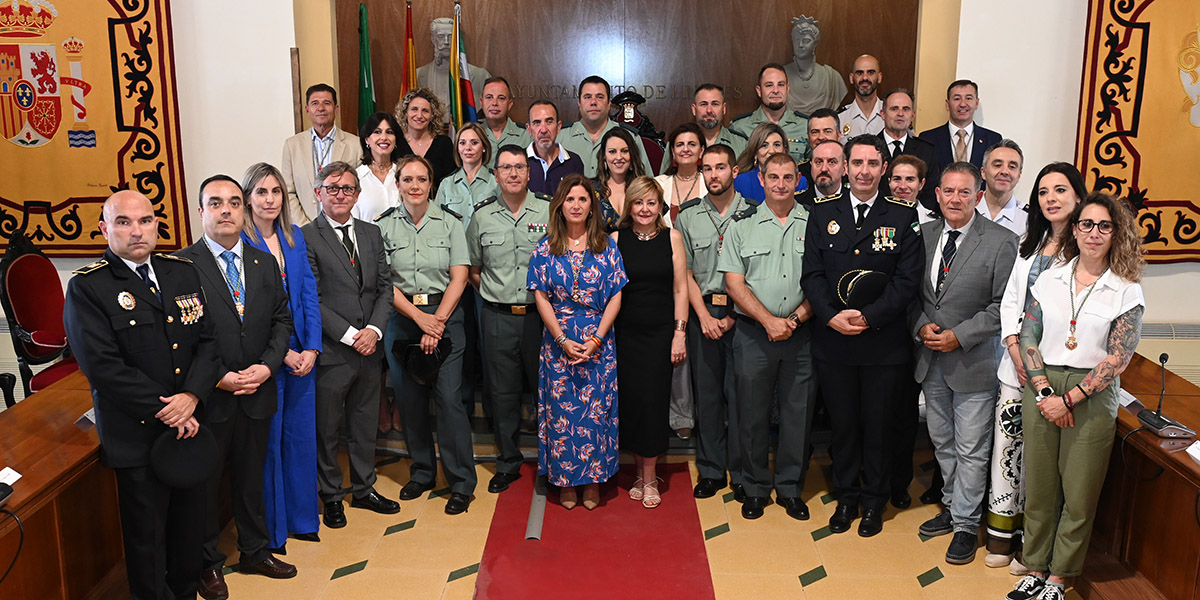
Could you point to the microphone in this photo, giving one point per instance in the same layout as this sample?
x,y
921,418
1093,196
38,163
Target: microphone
x,y
1163,426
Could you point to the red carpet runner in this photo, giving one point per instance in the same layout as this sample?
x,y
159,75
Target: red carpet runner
x,y
619,550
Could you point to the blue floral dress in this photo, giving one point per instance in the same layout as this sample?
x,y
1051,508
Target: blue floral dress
x,y
577,404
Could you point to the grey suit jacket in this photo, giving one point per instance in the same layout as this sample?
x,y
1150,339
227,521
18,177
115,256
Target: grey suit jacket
x,y
299,175
345,302
969,303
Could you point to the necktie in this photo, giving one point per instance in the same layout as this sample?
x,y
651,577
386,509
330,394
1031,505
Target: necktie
x,y
897,149
144,271
344,232
960,148
862,213
947,257
234,278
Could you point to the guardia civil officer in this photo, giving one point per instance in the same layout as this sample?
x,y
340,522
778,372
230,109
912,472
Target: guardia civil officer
x,y
136,325
500,240
771,344
704,224
862,352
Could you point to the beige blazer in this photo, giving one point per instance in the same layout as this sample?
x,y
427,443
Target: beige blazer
x,y
299,175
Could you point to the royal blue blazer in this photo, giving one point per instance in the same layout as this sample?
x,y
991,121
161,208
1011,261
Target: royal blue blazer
x,y
301,289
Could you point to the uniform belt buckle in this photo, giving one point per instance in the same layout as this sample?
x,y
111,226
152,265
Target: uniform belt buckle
x,y
518,309
720,300
420,300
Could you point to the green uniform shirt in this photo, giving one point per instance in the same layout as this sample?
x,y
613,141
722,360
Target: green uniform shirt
x,y
770,255
461,197
513,134
576,139
502,243
420,257
735,141
794,124
702,228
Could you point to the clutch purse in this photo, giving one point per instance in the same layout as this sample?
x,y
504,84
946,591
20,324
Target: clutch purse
x,y
860,287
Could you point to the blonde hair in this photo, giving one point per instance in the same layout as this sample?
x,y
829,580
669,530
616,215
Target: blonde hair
x,y
477,129
638,189
437,124
283,223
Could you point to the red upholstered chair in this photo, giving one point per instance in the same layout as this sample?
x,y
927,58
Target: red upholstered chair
x,y
32,296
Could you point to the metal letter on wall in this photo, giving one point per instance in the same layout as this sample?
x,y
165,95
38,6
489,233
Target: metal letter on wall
x,y
87,107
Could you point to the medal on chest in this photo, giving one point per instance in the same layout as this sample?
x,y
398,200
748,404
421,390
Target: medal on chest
x,y
885,239
537,228
190,308
125,299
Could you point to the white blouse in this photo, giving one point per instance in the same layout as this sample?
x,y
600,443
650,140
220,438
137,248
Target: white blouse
x,y
375,196
1012,313
1111,297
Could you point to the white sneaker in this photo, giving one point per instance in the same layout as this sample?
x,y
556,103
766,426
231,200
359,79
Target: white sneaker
x,y
1027,588
1016,568
1051,592
996,561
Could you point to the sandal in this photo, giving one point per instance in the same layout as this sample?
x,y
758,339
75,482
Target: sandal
x,y
650,498
635,492
568,498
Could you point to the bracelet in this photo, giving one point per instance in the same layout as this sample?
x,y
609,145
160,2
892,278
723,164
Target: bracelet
x,y
1086,395
599,342
560,339
680,325
1067,400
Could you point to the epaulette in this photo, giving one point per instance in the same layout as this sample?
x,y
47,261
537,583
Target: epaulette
x,y
747,213
895,200
91,267
742,116
545,197
737,134
689,204
1025,208
521,125
451,213
483,203
174,257
629,128
800,114
836,196
800,162
385,213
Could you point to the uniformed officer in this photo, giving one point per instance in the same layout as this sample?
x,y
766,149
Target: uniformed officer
x,y
500,241
771,344
862,353
500,129
829,164
136,325
772,91
823,125
427,252
708,108
473,182
705,223
583,137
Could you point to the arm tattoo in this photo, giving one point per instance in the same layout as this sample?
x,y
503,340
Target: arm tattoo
x,y
1123,337
1031,336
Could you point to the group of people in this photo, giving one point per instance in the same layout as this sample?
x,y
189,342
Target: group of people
x,y
786,263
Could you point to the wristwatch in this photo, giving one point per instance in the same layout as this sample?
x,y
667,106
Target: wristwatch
x,y
795,318
1044,393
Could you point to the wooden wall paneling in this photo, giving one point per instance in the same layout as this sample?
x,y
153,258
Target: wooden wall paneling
x,y
544,48
1162,543
89,518
36,573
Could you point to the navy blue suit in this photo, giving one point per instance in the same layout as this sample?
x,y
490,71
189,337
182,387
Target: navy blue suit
x,y
290,469
981,139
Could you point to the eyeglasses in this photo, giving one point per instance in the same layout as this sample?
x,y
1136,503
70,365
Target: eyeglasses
x,y
333,190
507,168
1086,226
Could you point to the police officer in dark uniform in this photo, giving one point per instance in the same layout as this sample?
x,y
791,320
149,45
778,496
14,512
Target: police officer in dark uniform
x,y
136,325
862,354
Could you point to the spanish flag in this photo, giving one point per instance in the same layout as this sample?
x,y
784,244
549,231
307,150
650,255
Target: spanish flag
x,y
408,73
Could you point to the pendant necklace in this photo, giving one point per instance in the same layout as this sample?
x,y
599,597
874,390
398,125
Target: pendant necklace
x,y
1071,342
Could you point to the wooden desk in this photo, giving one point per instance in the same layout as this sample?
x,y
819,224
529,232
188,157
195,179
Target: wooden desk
x,y
1144,544
66,499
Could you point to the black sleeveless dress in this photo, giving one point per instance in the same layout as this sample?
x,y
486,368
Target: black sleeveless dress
x,y
644,328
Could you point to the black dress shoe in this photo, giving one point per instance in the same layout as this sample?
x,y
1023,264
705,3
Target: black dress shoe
x,y
373,501
707,487
413,490
271,567
795,507
306,537
739,492
335,515
501,481
931,496
753,507
457,503
212,585
901,499
840,521
871,523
